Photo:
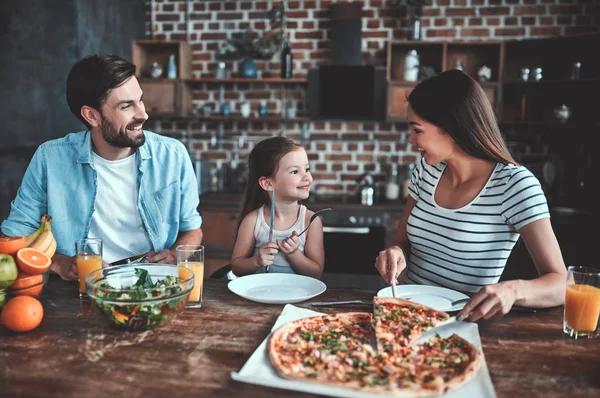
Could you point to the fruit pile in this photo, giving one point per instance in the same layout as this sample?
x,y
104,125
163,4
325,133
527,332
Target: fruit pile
x,y
23,264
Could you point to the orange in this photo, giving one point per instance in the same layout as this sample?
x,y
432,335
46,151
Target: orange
x,y
33,261
24,285
22,314
11,244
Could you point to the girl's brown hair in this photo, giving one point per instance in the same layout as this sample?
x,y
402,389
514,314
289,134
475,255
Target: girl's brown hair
x,y
456,103
263,162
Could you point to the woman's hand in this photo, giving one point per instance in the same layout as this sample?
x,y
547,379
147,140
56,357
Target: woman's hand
x,y
490,301
266,254
290,244
390,263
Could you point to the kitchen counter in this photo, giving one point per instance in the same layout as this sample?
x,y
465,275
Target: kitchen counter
x,y
73,353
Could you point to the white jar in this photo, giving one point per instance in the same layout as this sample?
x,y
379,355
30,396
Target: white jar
x,y
411,66
245,109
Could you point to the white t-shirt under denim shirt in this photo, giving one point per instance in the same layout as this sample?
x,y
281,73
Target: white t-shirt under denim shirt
x,y
467,248
116,218
261,236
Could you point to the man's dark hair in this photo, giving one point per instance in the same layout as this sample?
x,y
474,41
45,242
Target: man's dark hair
x,y
91,80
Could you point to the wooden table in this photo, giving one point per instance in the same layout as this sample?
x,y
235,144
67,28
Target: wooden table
x,y
73,353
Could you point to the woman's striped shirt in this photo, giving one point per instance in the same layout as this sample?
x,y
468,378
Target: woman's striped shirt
x,y
467,248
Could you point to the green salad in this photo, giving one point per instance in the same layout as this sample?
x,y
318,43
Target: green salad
x,y
151,309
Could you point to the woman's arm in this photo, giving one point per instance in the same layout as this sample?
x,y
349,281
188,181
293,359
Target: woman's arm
x,y
392,261
547,290
311,262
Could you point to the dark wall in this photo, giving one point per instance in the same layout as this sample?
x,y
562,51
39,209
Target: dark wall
x,y
39,41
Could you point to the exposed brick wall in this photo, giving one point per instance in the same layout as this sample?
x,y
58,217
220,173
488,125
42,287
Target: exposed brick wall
x,y
339,151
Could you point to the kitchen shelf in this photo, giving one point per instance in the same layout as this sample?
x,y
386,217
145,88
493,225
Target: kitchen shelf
x,y
240,118
544,82
266,80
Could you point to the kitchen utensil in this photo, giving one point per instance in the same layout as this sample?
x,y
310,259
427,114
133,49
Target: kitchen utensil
x,y
276,288
394,288
138,258
313,217
272,219
332,303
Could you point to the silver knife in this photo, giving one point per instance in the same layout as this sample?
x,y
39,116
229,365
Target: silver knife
x,y
272,219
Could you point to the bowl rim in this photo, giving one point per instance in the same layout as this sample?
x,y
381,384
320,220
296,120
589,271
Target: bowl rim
x,y
90,286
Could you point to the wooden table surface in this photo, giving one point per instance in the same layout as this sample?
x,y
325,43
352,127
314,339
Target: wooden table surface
x,y
74,353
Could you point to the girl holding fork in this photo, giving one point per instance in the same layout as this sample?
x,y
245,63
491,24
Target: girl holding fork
x,y
278,165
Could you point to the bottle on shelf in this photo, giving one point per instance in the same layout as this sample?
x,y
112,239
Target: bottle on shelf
x,y
286,60
406,180
392,189
172,71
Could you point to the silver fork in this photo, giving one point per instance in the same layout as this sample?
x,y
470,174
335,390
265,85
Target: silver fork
x,y
313,217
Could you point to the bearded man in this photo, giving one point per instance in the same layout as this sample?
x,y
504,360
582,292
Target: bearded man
x,y
132,188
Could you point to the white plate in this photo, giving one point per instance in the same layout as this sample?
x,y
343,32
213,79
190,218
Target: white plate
x,y
438,298
277,288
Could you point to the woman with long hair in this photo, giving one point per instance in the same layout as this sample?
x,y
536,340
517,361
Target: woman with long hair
x,y
469,202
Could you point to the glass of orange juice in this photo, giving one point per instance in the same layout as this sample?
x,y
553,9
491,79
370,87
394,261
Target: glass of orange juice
x,y
582,302
192,257
89,258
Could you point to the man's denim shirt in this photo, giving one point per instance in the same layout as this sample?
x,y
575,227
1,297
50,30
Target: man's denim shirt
x,y
61,181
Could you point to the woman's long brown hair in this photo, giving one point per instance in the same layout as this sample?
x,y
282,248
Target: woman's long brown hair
x,y
263,162
456,103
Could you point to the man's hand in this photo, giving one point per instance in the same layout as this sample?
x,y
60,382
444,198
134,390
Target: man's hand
x,y
164,257
64,266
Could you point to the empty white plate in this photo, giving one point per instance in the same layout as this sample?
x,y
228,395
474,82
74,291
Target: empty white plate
x,y
438,298
276,288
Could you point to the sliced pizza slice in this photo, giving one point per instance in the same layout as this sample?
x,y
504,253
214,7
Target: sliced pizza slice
x,y
445,363
398,322
330,348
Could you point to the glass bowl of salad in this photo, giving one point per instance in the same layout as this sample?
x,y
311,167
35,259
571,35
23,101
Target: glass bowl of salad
x,y
140,296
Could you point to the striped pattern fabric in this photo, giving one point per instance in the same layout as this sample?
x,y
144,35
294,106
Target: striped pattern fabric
x,y
465,249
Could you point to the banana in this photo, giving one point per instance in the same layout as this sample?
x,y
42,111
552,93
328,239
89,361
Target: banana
x,y
45,225
52,249
32,238
43,242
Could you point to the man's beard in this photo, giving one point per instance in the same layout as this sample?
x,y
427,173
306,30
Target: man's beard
x,y
120,139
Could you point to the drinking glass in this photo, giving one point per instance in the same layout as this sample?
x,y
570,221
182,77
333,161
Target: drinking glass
x,y
582,302
89,258
192,257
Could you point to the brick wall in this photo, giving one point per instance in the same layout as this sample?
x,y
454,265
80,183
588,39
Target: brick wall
x,y
339,151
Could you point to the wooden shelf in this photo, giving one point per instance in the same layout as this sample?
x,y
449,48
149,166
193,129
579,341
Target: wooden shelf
x,y
240,118
541,82
267,80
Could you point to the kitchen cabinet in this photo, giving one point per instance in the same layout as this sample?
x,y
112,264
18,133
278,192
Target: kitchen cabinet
x,y
164,96
219,229
435,57
530,79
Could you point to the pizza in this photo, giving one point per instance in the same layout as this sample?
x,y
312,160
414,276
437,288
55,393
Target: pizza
x,y
398,322
338,349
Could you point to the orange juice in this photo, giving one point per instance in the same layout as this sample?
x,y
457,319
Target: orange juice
x,y
582,307
85,264
198,269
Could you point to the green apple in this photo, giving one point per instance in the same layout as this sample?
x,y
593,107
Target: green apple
x,y
2,297
8,270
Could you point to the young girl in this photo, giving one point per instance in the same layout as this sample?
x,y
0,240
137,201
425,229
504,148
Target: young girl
x,y
278,164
